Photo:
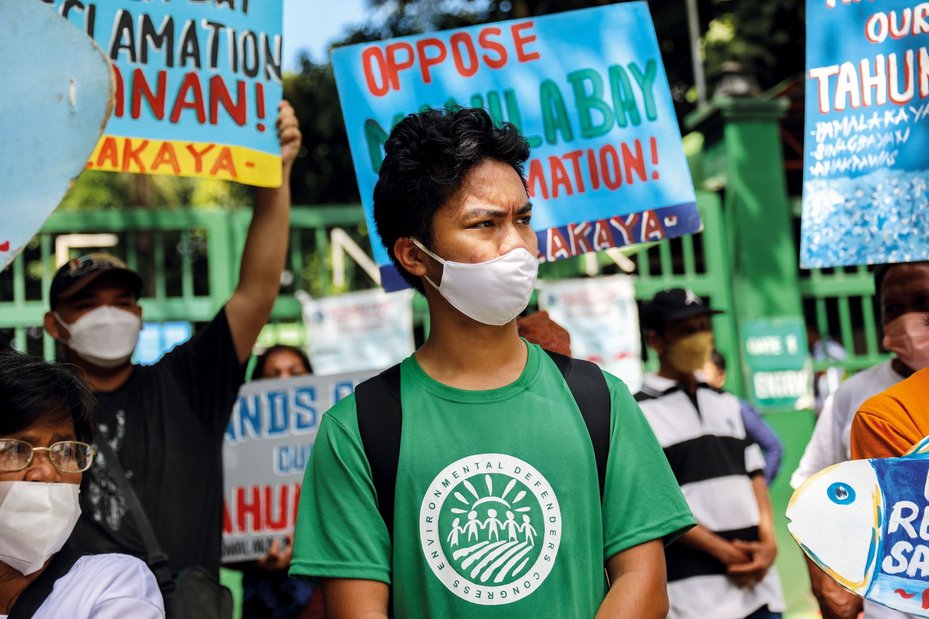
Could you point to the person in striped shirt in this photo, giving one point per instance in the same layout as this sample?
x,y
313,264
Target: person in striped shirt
x,y
723,567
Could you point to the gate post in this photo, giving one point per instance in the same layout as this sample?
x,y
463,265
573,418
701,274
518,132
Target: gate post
x,y
742,142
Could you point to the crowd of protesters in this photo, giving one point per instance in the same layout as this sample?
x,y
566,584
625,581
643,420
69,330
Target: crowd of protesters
x,y
488,474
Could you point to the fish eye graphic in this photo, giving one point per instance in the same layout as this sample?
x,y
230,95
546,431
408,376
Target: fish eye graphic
x,y
841,493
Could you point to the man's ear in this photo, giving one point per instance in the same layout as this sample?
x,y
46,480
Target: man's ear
x,y
412,258
655,341
54,328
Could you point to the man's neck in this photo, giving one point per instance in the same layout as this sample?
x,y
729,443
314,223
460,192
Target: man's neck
x,y
12,584
100,379
466,354
901,368
687,380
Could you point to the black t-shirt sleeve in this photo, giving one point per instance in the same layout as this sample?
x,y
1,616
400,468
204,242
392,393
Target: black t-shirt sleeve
x,y
208,371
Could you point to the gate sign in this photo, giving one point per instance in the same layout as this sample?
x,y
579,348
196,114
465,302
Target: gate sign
x,y
267,445
197,86
586,88
866,160
57,96
779,365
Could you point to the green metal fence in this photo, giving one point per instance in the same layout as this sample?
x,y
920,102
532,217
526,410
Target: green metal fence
x,y
840,302
189,261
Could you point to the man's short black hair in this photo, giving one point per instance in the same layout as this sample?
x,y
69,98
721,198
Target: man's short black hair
x,y
32,389
427,157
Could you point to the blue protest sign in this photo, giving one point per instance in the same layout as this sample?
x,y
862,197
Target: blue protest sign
x,y
866,162
586,88
56,99
197,86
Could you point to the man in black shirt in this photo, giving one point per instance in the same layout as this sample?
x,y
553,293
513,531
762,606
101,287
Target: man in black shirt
x,y
165,422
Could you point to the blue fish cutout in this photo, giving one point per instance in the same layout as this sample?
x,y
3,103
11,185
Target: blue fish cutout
x,y
866,524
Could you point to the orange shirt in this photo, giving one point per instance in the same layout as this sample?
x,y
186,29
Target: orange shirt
x,y
890,423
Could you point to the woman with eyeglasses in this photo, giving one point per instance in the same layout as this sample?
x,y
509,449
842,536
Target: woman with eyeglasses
x,y
46,431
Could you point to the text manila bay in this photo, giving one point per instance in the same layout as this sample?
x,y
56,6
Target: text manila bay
x,y
203,46
585,106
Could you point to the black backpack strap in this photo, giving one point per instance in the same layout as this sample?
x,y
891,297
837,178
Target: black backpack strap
x,y
40,588
380,420
592,394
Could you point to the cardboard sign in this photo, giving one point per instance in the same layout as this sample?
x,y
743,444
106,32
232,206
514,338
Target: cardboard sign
x,y
197,86
779,365
267,446
359,330
866,162
57,96
601,316
586,88
864,523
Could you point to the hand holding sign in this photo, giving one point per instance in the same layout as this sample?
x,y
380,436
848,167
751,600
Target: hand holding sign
x,y
56,100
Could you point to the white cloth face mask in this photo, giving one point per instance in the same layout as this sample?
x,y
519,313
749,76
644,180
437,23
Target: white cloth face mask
x,y
105,336
36,519
492,292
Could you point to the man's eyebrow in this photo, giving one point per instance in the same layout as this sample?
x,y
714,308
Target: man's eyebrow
x,y
493,212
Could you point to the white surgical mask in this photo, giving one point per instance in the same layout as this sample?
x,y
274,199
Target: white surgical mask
x,y
105,336
492,292
36,519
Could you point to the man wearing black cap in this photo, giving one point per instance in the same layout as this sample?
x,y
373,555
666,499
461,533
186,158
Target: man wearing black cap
x,y
722,567
165,423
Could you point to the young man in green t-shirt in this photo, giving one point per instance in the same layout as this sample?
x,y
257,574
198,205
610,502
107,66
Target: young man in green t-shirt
x,y
497,508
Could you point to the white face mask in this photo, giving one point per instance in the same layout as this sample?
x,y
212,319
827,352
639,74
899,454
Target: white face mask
x,y
105,336
36,519
492,292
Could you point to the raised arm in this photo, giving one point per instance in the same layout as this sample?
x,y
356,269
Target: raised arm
x,y
265,246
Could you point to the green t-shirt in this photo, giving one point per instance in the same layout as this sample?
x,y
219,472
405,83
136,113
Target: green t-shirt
x,y
497,506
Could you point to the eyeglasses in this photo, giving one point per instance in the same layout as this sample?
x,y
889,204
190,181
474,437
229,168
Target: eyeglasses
x,y
65,456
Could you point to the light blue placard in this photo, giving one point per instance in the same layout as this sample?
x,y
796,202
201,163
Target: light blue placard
x,y
56,99
190,72
866,160
588,90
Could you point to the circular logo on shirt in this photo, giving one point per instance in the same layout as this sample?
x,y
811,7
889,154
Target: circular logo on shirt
x,y
490,527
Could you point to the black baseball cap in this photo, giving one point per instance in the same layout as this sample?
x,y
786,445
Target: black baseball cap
x,y
674,304
77,274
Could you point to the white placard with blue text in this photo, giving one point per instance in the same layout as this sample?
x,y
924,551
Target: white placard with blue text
x,y
267,446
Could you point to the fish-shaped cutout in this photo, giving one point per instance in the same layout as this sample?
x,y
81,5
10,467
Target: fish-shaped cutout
x,y
58,93
866,524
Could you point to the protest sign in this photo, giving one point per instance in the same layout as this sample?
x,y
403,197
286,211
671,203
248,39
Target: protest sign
x,y
864,523
359,330
779,366
601,316
586,88
57,96
267,445
197,86
866,161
